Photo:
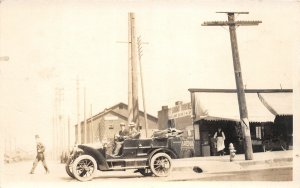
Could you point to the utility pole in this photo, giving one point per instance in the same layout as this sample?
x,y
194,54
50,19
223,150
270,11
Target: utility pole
x,y
69,135
130,110
60,130
55,126
85,126
58,125
91,125
133,106
238,74
140,50
135,103
78,141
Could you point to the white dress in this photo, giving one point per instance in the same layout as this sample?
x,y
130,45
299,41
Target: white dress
x,y
220,141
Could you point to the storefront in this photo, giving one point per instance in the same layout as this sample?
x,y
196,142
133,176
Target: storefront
x,y
269,114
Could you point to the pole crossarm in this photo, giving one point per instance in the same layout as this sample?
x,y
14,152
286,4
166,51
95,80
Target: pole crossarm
x,y
204,90
227,23
233,12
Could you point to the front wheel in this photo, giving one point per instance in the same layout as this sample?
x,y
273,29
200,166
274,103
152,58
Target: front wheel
x,y
161,164
68,167
84,167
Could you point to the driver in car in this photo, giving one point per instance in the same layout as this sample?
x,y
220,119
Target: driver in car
x,y
119,139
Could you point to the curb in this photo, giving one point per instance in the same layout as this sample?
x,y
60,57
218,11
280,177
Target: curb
x,y
268,162
223,166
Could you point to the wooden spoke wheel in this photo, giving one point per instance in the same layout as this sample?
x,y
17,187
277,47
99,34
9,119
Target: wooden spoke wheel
x,y
84,167
161,164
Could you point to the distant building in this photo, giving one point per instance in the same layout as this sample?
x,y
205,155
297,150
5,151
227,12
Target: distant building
x,y
179,117
104,125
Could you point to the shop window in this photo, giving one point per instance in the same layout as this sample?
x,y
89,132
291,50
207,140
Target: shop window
x,y
197,133
258,132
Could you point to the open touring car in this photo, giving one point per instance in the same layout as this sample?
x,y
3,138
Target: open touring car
x,y
152,156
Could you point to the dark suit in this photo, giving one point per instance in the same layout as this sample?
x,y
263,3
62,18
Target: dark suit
x,y
40,148
119,141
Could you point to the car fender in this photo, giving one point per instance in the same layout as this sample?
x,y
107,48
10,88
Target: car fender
x,y
171,153
100,159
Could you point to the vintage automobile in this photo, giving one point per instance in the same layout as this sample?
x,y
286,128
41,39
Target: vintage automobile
x,y
151,156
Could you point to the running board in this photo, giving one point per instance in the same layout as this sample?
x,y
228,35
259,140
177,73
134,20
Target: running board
x,y
127,160
130,167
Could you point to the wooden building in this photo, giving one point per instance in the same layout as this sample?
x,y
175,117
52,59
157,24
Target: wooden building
x,y
105,124
269,113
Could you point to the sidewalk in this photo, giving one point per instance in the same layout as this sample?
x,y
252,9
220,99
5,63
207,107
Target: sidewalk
x,y
262,160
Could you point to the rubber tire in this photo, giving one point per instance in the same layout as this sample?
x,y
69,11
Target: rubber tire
x,y
144,173
77,161
154,158
69,167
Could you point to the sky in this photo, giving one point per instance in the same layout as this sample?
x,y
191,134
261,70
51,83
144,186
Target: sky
x,y
52,43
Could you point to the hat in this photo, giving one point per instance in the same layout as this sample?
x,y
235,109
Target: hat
x,y
122,124
37,136
132,124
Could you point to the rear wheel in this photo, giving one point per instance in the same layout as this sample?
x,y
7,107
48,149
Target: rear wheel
x,y
84,167
161,164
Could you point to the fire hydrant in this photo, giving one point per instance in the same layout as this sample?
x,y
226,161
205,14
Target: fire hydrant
x,y
231,151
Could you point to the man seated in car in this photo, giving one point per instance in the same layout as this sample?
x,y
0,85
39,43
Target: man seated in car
x,y
133,133
119,139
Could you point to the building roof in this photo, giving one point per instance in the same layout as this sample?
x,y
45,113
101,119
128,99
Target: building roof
x,y
113,108
262,107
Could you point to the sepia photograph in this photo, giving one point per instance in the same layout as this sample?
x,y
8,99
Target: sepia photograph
x,y
144,93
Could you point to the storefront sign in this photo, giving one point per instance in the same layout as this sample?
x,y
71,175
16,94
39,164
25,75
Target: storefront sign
x,y
180,111
187,143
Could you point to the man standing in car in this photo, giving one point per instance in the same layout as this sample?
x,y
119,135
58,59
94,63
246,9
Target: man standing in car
x,y
40,155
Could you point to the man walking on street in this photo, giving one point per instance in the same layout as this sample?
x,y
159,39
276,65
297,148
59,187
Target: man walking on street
x,y
40,155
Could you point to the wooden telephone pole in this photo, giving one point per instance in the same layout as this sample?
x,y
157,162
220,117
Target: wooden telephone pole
x,y
140,51
133,104
78,140
238,74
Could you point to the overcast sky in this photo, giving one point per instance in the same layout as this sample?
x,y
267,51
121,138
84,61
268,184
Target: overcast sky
x,y
50,43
